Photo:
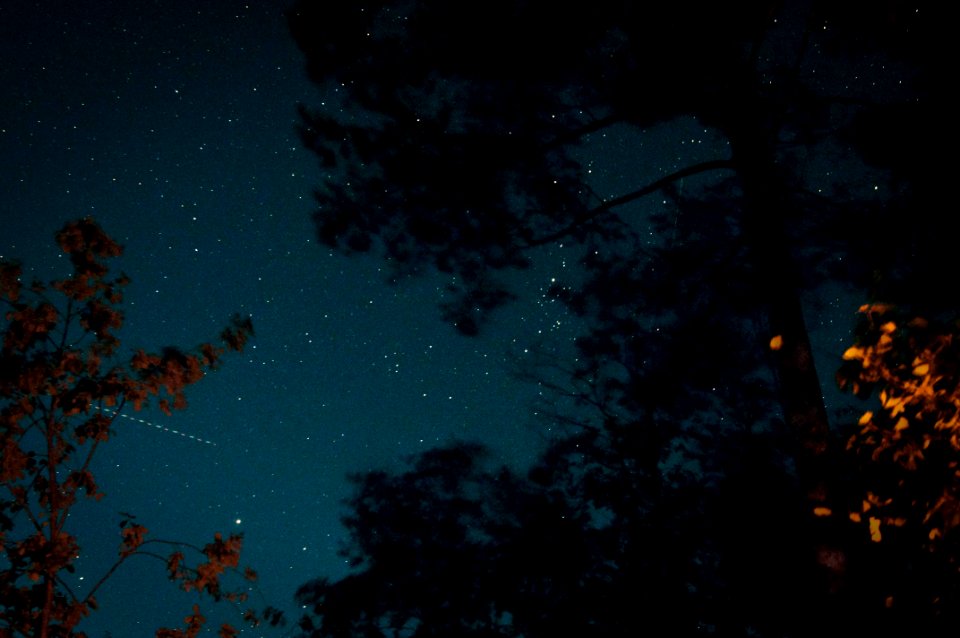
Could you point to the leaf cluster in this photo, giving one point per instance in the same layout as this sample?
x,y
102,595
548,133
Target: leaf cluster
x,y
907,450
63,384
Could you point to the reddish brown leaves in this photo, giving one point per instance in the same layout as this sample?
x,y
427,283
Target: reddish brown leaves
x,y
194,623
27,325
56,368
82,480
87,245
13,461
133,537
236,336
45,555
10,280
221,555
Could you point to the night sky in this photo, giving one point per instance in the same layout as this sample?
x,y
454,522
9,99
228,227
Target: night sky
x,y
173,125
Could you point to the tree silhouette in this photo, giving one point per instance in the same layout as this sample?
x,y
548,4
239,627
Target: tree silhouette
x,y
63,383
448,137
454,547
454,137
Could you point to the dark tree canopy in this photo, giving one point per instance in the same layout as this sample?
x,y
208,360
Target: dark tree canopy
x,y
449,135
455,548
448,131
452,137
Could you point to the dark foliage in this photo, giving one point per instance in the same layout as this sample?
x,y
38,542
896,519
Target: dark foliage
x,y
452,137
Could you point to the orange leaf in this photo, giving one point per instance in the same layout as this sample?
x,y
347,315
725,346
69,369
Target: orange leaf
x,y
852,353
875,534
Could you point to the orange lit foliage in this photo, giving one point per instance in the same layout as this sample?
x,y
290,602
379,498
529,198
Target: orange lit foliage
x,y
62,384
908,449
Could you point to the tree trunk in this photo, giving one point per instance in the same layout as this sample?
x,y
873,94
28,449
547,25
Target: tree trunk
x,y
766,207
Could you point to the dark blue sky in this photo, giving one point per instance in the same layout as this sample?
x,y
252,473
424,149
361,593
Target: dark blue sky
x,y
173,125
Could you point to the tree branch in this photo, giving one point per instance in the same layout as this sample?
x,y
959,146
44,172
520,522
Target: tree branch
x,y
138,552
661,183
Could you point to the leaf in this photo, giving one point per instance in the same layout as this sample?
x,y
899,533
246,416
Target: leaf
x,y
853,353
776,343
133,537
878,308
875,534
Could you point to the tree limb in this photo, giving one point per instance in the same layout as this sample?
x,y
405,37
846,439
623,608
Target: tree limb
x,y
661,183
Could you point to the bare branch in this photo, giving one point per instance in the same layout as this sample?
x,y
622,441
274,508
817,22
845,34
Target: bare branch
x,y
653,187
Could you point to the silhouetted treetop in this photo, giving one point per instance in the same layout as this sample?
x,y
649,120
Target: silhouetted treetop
x,y
702,474
448,134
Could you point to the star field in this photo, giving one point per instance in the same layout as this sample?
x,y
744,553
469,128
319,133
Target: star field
x,y
173,125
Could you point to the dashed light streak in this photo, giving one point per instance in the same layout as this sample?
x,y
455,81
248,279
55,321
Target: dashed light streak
x,y
159,427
